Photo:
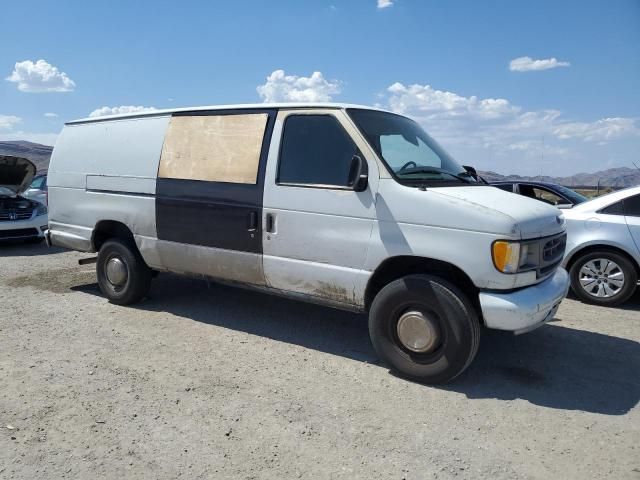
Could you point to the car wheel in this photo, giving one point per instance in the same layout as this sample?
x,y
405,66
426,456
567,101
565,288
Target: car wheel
x,y
603,278
122,274
424,328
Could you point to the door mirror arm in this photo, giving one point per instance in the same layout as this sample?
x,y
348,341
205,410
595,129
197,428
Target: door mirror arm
x,y
358,174
473,172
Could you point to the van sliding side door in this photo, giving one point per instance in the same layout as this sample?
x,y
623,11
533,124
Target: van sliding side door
x,y
209,193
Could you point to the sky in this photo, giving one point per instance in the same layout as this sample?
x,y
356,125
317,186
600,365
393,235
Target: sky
x,y
544,87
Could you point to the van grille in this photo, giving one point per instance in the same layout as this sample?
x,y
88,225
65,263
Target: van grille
x,y
11,216
552,253
554,248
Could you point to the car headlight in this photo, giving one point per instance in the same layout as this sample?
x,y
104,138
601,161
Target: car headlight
x,y
511,257
41,210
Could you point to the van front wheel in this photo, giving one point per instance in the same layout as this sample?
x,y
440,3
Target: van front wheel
x,y
424,328
122,274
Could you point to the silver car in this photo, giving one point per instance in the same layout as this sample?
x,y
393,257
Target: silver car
x,y
603,247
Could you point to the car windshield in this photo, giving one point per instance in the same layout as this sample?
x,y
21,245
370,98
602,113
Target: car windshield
x,y
572,195
411,155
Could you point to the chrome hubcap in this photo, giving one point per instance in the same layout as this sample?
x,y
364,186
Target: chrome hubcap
x,y
418,332
116,271
601,278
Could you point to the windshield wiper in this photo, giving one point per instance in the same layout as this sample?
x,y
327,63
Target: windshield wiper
x,y
430,170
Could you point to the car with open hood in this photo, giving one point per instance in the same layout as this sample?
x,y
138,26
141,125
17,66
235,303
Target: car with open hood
x,y
20,218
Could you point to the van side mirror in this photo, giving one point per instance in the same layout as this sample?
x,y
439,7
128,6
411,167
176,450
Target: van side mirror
x,y
470,169
358,174
473,172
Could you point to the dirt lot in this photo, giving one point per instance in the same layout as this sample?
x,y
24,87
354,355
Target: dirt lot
x,y
207,381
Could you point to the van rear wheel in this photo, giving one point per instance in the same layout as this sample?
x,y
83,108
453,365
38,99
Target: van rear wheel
x,y
122,274
424,328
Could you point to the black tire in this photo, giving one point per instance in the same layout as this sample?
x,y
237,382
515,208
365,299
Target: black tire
x,y
622,295
450,309
138,278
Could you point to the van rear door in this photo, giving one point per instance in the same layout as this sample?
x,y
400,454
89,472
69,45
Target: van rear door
x,y
209,193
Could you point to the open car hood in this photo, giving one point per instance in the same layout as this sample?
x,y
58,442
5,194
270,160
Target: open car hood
x,y
16,173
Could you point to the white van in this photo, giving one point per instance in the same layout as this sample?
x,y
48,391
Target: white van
x,y
348,206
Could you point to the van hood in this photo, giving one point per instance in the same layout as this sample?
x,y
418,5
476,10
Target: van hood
x,y
531,218
16,173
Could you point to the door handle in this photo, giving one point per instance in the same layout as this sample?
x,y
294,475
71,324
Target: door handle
x,y
253,221
269,223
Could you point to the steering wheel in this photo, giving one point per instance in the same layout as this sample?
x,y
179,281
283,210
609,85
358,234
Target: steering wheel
x,y
407,165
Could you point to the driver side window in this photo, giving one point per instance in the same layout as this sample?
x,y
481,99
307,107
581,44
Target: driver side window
x,y
548,196
542,194
316,151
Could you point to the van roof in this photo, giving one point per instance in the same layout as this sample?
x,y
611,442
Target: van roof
x,y
247,106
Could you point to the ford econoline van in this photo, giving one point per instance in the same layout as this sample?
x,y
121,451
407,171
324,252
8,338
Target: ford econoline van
x,y
348,206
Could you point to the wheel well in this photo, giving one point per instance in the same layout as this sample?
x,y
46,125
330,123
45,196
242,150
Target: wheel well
x,y
599,248
106,229
398,267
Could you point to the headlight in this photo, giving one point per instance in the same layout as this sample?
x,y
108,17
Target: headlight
x,y
509,257
41,210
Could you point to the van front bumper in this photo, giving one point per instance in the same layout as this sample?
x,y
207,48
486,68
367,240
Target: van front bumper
x,y
525,309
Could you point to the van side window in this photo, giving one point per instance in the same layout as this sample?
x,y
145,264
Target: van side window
x,y
214,148
315,150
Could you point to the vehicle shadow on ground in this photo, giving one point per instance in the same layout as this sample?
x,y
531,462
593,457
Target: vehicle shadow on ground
x,y
633,304
22,249
555,366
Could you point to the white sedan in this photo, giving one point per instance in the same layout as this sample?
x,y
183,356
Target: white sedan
x,y
603,247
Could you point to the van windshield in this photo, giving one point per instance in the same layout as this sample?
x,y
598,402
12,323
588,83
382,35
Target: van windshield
x,y
412,156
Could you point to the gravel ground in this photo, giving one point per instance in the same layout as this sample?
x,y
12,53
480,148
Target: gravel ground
x,y
207,381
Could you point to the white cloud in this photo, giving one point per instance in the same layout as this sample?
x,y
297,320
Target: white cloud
x,y
40,76
385,3
7,122
599,131
504,135
103,111
528,64
438,104
51,115
280,87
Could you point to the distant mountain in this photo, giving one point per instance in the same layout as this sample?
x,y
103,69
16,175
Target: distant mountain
x,y
38,154
620,177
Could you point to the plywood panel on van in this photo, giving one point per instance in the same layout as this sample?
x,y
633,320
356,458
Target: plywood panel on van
x,y
216,148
